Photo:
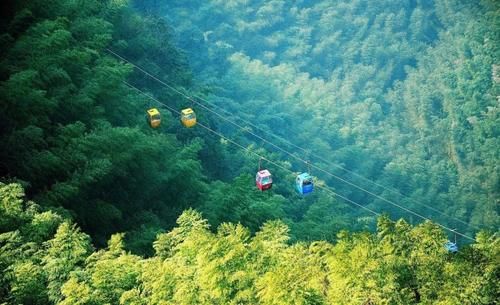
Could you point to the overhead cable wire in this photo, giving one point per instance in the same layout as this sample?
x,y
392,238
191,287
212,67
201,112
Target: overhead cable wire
x,y
279,148
249,150
286,169
288,142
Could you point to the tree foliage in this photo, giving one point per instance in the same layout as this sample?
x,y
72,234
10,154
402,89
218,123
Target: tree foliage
x,y
404,94
399,264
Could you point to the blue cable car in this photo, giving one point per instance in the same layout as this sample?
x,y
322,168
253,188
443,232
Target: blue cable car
x,y
451,247
304,183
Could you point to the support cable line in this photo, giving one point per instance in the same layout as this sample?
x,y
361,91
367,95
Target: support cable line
x,y
286,169
264,140
249,150
291,144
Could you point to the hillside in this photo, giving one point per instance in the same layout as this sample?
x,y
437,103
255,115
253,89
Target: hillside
x,y
391,110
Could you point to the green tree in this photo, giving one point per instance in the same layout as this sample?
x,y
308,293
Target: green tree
x,y
65,252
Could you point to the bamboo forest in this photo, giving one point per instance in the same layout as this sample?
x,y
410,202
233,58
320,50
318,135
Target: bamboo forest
x,y
249,152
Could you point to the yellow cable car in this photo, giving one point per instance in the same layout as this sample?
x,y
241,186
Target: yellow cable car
x,y
188,117
154,118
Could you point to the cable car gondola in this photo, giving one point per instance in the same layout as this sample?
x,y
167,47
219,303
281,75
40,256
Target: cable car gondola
x,y
263,180
154,118
188,117
304,183
451,247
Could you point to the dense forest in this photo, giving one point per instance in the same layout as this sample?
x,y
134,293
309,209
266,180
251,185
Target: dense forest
x,y
392,107
402,93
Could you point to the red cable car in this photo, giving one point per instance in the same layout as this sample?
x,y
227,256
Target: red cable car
x,y
263,180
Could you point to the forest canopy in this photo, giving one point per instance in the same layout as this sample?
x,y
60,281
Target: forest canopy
x,y
394,106
49,260
402,94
